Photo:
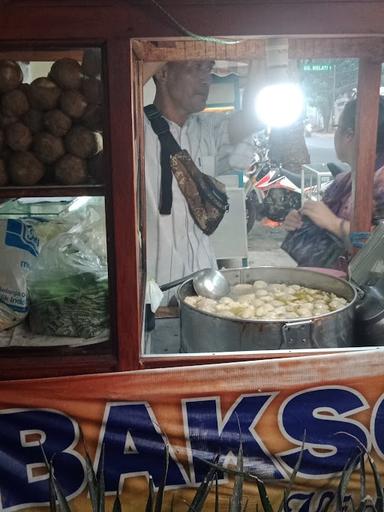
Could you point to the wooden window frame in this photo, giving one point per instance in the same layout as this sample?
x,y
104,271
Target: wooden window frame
x,y
116,26
370,53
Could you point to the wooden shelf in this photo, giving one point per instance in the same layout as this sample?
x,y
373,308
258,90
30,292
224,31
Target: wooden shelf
x,y
23,55
23,362
52,191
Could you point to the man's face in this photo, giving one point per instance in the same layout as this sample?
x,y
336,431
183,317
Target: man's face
x,y
188,84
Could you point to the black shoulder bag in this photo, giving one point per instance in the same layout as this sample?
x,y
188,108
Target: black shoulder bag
x,y
312,246
205,195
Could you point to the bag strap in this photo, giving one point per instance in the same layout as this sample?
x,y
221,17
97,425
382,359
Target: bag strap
x,y
168,147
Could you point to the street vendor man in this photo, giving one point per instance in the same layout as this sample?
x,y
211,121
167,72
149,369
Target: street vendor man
x,y
176,246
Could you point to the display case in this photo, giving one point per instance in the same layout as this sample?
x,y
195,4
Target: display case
x,y
59,213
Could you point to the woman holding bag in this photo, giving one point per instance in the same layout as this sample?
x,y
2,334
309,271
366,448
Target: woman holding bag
x,y
334,212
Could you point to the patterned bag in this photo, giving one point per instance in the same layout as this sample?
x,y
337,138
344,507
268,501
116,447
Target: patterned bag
x,y
205,195
312,246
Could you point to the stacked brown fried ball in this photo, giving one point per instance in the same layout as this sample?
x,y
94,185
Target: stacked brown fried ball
x,y
51,129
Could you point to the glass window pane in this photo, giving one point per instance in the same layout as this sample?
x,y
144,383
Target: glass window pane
x,y
54,281
51,121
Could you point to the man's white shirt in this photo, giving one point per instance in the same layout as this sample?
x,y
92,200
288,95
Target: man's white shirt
x,y
176,246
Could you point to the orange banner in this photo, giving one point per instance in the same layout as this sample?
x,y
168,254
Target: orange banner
x,y
334,401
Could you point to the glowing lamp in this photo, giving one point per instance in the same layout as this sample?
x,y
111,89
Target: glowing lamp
x,y
280,104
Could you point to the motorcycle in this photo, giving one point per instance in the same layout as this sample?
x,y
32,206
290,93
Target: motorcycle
x,y
270,190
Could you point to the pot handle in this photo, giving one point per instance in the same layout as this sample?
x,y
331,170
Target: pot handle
x,y
297,334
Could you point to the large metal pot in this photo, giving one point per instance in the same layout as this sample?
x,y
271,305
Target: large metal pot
x,y
204,332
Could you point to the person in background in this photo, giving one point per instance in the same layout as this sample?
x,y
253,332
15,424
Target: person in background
x,y
176,246
288,147
334,212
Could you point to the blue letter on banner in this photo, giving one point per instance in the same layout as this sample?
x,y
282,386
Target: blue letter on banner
x,y
209,435
377,426
321,417
134,446
23,476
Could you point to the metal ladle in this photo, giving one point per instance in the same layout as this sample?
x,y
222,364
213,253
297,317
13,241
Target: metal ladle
x,y
211,283
208,282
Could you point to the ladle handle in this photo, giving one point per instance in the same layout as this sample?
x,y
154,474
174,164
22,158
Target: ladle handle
x,y
172,284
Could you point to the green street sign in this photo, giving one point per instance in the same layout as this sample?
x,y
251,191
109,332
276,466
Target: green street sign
x,y
317,67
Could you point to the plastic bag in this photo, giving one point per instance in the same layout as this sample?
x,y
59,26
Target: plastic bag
x,y
19,248
69,285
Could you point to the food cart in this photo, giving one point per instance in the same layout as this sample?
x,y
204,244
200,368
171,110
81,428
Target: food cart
x,y
125,35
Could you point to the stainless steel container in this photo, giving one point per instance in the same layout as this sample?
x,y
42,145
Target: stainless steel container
x,y
204,332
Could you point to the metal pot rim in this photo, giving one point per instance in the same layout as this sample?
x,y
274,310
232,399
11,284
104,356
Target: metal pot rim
x,y
280,321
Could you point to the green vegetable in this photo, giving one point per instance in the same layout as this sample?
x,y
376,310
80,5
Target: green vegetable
x,y
75,306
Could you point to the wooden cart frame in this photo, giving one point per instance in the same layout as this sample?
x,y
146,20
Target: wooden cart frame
x,y
131,32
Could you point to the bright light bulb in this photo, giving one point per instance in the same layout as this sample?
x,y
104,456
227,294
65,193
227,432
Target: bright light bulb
x,y
279,105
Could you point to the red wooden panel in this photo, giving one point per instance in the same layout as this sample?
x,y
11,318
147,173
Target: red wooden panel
x,y
119,142
140,193
366,128
52,191
71,21
33,363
